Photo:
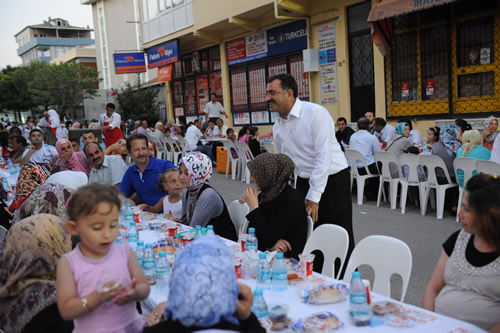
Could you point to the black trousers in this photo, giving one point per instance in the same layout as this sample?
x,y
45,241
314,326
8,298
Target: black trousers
x,y
335,207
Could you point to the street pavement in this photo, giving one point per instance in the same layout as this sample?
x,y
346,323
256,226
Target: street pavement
x,y
423,234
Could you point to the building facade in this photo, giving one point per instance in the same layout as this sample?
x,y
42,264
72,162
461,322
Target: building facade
x,y
47,41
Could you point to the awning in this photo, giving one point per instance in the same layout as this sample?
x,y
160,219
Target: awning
x,y
381,18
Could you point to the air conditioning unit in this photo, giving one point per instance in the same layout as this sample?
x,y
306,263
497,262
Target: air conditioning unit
x,y
311,60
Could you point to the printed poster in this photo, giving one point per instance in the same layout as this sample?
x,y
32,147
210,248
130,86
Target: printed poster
x,y
260,117
328,63
242,118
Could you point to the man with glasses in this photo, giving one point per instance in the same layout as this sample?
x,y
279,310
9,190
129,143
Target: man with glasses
x,y
39,153
323,174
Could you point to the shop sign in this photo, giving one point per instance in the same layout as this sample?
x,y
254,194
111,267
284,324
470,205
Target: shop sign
x,y
163,54
165,73
405,91
328,63
132,62
429,87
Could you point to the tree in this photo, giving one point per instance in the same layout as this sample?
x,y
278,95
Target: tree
x,y
14,93
41,86
136,102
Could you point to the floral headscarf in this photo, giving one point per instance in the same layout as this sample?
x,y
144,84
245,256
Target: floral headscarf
x,y
449,137
31,176
204,289
28,264
47,198
470,140
199,168
400,128
490,138
272,173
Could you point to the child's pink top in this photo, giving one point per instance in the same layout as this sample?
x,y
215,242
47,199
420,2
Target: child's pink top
x,y
107,317
243,138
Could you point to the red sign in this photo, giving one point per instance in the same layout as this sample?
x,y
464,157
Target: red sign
x,y
202,93
236,49
405,91
429,87
165,73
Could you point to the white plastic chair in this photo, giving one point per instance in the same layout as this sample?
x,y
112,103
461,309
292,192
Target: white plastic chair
x,y
245,155
386,255
431,162
186,150
238,212
160,148
412,161
228,145
353,156
467,165
333,241
386,158
488,167
310,226
3,233
175,150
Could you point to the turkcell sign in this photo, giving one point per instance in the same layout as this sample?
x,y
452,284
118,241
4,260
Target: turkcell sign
x,y
163,54
132,62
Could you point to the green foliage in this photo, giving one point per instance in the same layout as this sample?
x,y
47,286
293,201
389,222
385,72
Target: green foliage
x,y
137,103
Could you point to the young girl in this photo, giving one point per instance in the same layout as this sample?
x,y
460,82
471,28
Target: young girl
x,y
171,203
99,281
253,141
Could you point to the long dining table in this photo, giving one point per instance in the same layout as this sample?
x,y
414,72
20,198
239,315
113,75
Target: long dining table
x,y
422,320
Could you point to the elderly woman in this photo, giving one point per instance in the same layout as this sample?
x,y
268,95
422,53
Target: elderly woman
x,y
278,213
204,294
28,260
465,284
159,130
399,143
490,132
447,148
471,148
202,204
70,160
30,177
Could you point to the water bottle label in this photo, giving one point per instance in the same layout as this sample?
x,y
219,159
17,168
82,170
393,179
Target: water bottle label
x,y
264,276
148,264
281,276
132,238
357,299
161,273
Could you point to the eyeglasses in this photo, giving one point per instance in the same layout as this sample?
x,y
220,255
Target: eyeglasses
x,y
273,93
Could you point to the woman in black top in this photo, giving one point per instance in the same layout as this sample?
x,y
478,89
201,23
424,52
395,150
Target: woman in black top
x,y
278,213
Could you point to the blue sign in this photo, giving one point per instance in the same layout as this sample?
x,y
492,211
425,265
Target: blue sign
x,y
287,38
163,54
132,62
327,56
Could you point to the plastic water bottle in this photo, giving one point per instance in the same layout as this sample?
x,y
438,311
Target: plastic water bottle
x,y
259,306
2,161
263,273
163,273
198,234
123,228
10,166
5,184
129,216
359,310
280,275
148,264
139,252
210,230
251,241
132,236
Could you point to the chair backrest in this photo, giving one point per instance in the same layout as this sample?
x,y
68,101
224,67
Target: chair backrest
x,y
184,143
228,144
354,156
488,167
431,162
412,161
386,158
333,241
244,150
3,233
386,255
310,226
238,212
467,165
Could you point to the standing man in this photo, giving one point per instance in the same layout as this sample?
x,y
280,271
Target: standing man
x,y
107,169
109,122
323,174
214,109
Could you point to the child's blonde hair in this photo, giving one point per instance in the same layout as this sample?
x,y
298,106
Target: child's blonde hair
x,y
162,180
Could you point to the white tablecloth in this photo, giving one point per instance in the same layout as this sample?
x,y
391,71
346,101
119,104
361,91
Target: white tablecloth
x,y
430,321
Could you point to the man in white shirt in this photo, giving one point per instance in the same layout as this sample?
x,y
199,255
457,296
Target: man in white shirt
x,y
214,109
107,169
193,136
367,144
109,122
323,174
39,153
383,130
222,128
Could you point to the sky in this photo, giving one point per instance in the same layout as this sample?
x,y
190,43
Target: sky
x,y
15,15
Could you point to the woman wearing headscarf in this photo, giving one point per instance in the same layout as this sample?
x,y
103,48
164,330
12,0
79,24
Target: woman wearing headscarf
x,y
30,177
399,145
278,213
28,260
471,148
204,294
202,204
447,148
490,132
70,160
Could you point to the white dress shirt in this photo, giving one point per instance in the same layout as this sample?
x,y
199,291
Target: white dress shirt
x,y
113,121
367,144
387,132
308,137
214,110
111,172
193,135
222,130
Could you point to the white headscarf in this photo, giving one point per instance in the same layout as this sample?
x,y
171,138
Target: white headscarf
x,y
71,179
495,152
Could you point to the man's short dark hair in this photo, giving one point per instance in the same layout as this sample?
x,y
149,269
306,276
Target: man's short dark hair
x,y
133,137
342,119
210,120
15,131
89,131
213,94
88,144
373,113
363,123
111,106
380,121
287,82
196,121
77,140
36,130
21,140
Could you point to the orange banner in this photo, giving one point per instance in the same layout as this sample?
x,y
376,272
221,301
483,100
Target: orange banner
x,y
165,73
